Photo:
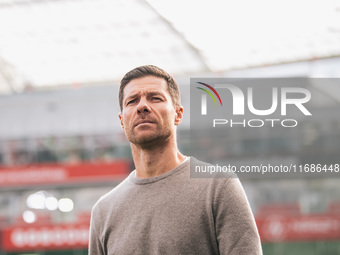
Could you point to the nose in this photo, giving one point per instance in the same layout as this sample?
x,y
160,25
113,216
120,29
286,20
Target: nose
x,y
143,107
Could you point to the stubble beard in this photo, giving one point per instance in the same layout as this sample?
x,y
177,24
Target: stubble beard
x,y
154,139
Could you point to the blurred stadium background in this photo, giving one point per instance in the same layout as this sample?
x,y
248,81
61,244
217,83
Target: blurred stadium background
x,y
61,146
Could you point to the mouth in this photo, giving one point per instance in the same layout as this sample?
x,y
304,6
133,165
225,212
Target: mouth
x,y
143,122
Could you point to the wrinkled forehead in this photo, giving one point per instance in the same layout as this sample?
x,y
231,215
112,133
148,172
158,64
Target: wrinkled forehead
x,y
148,84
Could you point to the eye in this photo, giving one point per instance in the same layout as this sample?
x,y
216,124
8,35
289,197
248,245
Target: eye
x,y
156,99
131,101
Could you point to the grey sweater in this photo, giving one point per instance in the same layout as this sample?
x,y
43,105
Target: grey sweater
x,y
174,214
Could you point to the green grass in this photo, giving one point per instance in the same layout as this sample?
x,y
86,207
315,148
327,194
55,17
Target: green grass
x,y
302,248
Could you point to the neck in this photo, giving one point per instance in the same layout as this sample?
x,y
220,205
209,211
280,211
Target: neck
x,y
154,160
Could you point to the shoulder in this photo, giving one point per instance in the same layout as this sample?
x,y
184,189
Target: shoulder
x,y
112,197
217,183
200,169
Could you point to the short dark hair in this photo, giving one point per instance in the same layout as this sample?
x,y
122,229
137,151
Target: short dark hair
x,y
150,70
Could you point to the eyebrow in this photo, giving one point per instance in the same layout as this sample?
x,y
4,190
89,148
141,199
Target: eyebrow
x,y
154,93
151,93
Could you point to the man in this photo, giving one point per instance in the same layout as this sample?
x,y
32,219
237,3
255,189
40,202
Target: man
x,y
158,208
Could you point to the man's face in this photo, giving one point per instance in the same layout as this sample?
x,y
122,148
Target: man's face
x,y
148,116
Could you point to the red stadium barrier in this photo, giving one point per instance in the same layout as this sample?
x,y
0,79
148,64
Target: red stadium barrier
x,y
275,228
278,228
61,174
54,237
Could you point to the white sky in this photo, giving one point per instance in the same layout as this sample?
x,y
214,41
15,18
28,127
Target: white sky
x,y
49,43
244,32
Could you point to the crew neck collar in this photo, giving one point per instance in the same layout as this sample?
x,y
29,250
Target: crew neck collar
x,y
177,169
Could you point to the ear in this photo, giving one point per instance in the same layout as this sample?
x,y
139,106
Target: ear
x,y
121,120
179,115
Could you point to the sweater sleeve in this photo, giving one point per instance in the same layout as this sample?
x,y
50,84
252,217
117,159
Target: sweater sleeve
x,y
235,226
95,244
